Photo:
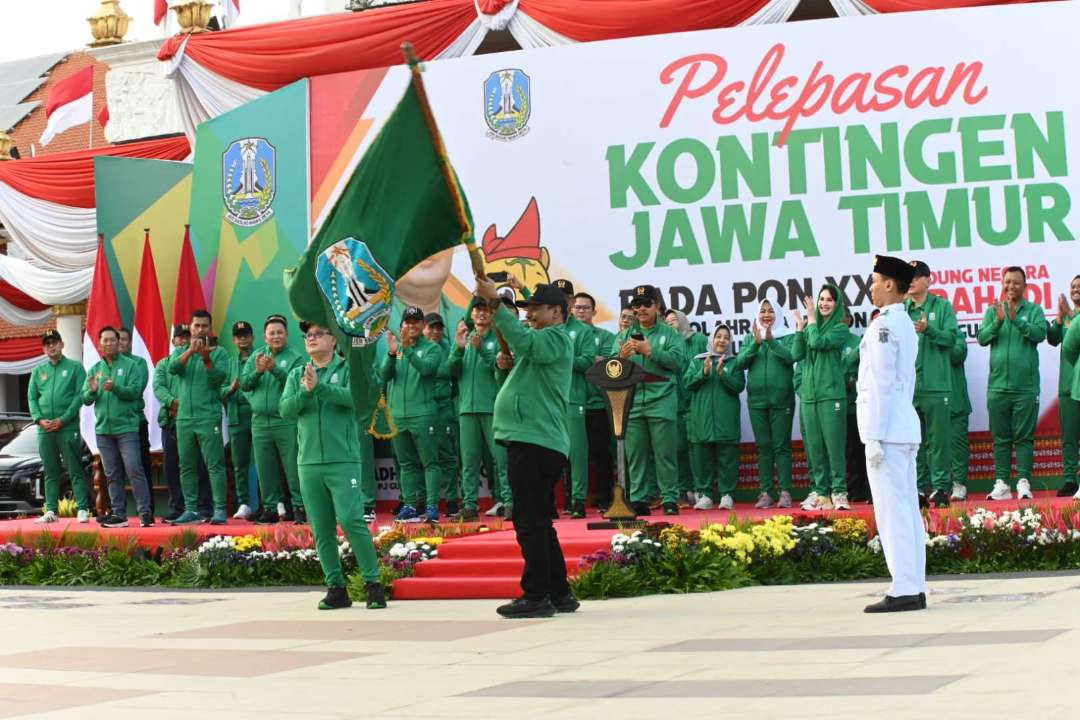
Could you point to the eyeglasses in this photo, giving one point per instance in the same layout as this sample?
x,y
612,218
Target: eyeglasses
x,y
641,303
583,307
315,335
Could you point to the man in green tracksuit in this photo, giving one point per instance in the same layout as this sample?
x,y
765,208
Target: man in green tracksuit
x,y
238,410
142,370
960,410
410,369
935,323
654,417
1013,328
273,437
55,398
447,401
577,470
202,371
317,398
1070,351
1068,409
696,343
597,423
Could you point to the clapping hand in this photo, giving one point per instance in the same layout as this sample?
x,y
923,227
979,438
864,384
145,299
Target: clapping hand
x,y
757,333
309,379
999,311
708,366
800,321
921,325
475,340
92,382
504,361
392,343
808,303
460,334
108,386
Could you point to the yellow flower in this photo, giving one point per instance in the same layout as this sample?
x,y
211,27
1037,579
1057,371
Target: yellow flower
x,y
247,543
852,529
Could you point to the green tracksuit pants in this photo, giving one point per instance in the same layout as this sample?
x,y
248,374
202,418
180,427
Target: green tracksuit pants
x,y
501,489
825,437
715,467
332,492
687,476
772,435
961,450
477,450
240,452
195,437
417,446
578,462
449,455
655,438
276,452
1012,425
935,453
52,446
368,481
1069,410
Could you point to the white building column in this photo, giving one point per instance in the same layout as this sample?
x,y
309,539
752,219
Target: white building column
x,y
69,319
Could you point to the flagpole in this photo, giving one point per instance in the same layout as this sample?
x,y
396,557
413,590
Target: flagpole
x,y
467,236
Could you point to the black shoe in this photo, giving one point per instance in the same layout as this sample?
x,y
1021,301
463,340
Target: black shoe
x,y
300,516
336,598
641,509
902,603
289,516
146,520
376,598
1068,489
523,607
939,499
577,509
466,515
267,517
506,513
172,516
671,508
566,604
924,502
114,521
452,507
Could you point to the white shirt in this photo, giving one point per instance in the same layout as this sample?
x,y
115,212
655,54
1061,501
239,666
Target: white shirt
x,y
886,386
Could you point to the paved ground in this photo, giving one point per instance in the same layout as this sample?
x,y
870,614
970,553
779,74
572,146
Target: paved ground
x,y
986,648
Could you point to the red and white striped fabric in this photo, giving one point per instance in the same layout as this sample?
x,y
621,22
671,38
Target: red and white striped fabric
x,y
20,355
70,103
847,8
150,335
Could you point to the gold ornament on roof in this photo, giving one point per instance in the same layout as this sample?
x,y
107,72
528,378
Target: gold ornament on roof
x,y
193,15
109,24
6,143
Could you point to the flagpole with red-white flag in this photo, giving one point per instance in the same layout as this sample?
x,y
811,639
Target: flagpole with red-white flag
x,y
189,291
70,103
101,311
150,335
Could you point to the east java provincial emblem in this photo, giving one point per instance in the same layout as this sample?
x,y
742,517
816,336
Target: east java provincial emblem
x,y
357,288
249,184
507,104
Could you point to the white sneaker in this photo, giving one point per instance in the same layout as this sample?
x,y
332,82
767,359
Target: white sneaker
x,y
840,502
493,511
281,509
242,513
764,501
704,502
1023,489
48,517
692,498
785,500
369,518
1077,495
959,492
726,503
84,517
811,501
1001,491
823,502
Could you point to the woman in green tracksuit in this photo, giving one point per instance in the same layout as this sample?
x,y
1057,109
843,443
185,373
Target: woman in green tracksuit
x,y
770,397
714,383
819,345
696,343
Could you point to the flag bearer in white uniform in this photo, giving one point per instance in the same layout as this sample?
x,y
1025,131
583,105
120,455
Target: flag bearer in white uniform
x,y
889,427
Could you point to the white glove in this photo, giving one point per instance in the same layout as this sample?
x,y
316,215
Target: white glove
x,y
875,454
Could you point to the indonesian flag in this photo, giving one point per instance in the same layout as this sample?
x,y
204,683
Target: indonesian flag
x,y
161,9
231,9
189,292
101,310
70,103
150,336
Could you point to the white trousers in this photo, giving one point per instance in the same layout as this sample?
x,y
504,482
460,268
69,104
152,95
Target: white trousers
x,y
899,522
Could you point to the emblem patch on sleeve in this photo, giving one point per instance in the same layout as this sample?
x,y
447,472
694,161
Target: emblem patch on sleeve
x,y
883,335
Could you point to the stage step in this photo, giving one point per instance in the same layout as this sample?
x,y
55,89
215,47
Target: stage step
x,y
479,548
457,588
485,568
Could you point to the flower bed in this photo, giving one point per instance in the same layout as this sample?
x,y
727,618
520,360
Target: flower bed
x,y
666,558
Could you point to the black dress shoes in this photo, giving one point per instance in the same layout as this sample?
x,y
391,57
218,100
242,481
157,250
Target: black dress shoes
x,y
901,603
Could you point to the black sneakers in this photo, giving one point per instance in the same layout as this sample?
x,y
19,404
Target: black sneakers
x,y
267,517
376,598
940,499
523,607
336,598
577,509
902,603
566,604
452,507
466,515
300,516
641,509
146,520
671,508
114,521
1068,489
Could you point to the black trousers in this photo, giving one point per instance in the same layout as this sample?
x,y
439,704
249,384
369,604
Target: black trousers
x,y
598,427
144,451
172,476
858,485
532,472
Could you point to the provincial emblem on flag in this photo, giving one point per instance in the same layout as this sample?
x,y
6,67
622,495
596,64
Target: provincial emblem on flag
x,y
357,288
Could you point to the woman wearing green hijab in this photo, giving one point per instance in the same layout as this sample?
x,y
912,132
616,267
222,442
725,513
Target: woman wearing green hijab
x,y
819,346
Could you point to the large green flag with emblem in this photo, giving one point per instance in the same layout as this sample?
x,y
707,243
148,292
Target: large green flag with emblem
x,y
396,210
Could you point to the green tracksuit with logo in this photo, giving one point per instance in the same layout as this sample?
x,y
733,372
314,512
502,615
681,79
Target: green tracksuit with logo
x,y
474,370
770,398
1070,350
960,411
238,410
325,421
502,484
55,393
653,427
1068,409
1012,396
198,423
581,335
273,437
819,349
412,384
114,411
446,398
694,344
714,429
933,390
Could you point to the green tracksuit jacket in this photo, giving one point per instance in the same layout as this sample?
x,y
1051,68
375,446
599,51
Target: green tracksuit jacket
x,y
769,372
714,402
660,398
200,386
237,407
142,372
263,390
584,357
1014,353
604,340
1055,335
412,389
960,402
325,420
819,349
55,391
1070,350
166,390
933,365
115,412
474,370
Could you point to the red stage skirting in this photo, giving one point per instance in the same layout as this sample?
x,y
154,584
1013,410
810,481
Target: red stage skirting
x,y
157,536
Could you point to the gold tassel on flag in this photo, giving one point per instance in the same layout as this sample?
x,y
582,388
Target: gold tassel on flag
x,y
388,428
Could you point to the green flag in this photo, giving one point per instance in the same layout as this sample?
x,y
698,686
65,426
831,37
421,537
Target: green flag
x,y
396,210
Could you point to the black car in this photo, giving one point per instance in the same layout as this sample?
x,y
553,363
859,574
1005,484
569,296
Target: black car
x,y
22,481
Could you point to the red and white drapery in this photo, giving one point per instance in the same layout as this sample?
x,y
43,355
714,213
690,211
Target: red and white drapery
x,y
216,72
20,355
846,8
18,308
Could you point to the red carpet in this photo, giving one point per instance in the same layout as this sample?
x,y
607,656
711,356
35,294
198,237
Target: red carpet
x,y
158,535
489,565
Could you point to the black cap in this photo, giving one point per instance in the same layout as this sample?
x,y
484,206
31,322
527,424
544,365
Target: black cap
x,y
242,327
276,318
412,313
643,293
181,329
921,268
893,267
565,285
51,336
545,295
304,325
434,319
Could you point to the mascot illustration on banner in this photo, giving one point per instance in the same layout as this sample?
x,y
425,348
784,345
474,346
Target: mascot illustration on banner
x,y
518,253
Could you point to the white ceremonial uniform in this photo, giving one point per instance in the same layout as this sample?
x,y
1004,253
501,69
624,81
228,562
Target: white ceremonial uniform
x,y
886,414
